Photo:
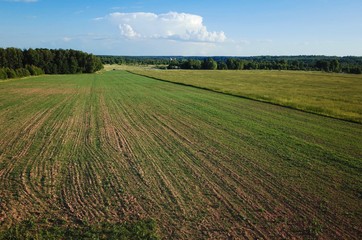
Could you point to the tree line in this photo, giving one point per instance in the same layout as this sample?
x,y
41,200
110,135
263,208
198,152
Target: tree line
x,y
16,62
338,65
134,60
349,64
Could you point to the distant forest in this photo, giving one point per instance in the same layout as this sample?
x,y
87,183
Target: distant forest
x,y
347,64
15,62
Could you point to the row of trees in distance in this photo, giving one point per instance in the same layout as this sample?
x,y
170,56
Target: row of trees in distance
x,y
239,64
347,64
15,62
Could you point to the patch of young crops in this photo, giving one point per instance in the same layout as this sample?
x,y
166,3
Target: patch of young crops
x,y
86,151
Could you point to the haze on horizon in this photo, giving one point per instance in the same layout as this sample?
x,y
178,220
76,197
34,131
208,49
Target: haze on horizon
x,y
203,27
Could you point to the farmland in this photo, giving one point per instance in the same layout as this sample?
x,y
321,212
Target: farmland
x,y
116,147
329,94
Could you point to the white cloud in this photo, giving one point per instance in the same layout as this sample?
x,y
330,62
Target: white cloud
x,y
98,19
172,25
67,39
127,31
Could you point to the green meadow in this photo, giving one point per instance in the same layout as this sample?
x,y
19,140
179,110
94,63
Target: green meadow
x,y
329,94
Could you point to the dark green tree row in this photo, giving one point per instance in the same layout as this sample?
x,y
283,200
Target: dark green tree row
x,y
15,62
207,64
326,65
347,64
29,70
129,60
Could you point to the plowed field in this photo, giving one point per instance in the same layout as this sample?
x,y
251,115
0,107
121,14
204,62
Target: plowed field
x,y
118,147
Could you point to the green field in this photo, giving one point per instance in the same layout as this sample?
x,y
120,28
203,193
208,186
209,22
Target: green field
x,y
85,150
329,94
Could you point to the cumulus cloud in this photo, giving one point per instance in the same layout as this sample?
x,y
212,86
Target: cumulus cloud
x,y
127,31
172,25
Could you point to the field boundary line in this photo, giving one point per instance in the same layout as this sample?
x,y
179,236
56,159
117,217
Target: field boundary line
x,y
16,79
245,97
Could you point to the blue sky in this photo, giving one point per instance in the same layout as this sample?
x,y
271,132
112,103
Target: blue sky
x,y
185,27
